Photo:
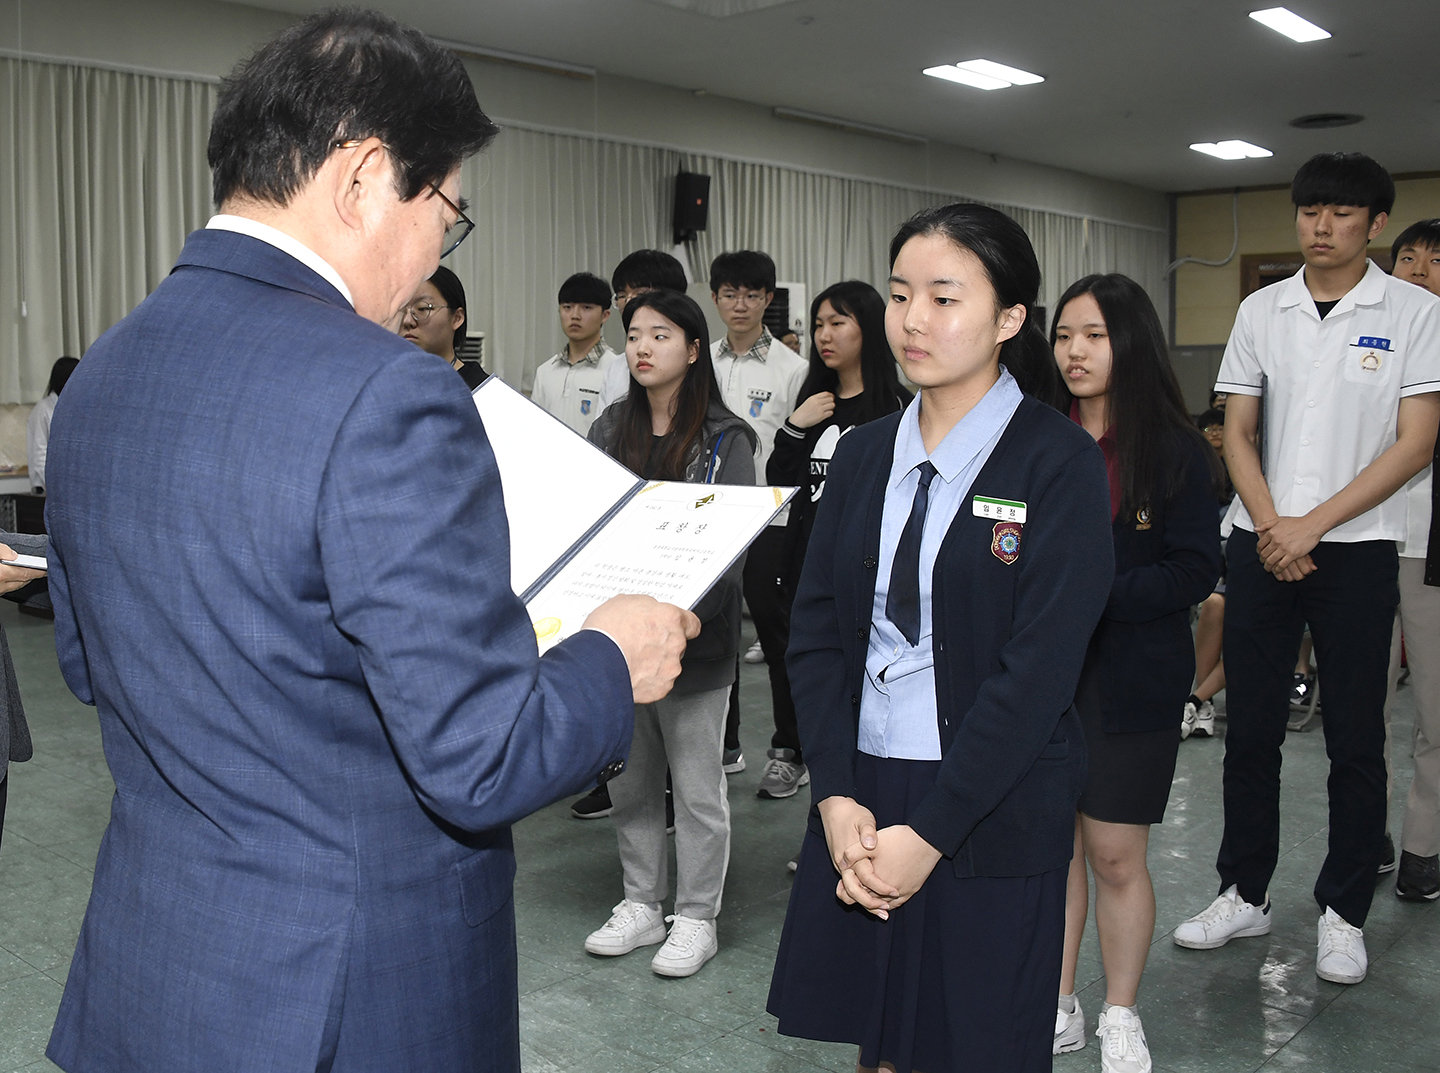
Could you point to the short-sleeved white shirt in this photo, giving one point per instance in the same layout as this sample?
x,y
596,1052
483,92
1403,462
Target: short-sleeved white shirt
x,y
572,392
1332,388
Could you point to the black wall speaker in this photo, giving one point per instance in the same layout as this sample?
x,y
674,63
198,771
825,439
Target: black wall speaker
x,y
692,204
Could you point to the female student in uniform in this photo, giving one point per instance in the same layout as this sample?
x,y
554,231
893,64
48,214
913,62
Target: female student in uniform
x,y
1163,478
852,381
673,426
959,560
435,322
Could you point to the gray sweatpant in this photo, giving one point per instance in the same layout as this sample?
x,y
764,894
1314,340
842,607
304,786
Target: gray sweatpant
x,y
686,734
1420,615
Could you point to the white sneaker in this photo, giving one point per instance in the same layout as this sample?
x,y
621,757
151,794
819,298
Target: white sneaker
x,y
1339,950
1229,917
1069,1030
1187,721
691,943
631,924
1204,726
755,654
1122,1042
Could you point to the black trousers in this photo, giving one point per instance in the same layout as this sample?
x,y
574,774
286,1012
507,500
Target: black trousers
x,y
4,793
770,611
1349,603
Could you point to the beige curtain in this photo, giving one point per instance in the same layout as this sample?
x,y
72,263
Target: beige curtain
x,y
555,203
102,175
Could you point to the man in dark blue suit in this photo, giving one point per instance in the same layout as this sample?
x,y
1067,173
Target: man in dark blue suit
x,y
280,566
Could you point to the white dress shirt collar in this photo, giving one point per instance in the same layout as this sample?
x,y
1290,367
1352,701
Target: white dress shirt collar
x,y
1368,292
243,225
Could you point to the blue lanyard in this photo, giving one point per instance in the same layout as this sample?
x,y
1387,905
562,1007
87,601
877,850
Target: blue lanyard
x,y
712,469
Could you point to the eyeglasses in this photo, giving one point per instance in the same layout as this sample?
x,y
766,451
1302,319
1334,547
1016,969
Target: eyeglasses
x,y
420,313
463,222
735,298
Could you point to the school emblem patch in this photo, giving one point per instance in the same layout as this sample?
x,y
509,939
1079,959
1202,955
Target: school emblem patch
x,y
756,406
584,406
1006,545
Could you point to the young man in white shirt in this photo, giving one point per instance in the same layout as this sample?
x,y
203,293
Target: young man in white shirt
x,y
643,270
760,379
1416,259
1347,362
568,385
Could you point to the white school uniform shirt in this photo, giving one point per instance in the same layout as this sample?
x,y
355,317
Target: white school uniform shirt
x,y
1332,388
615,383
37,439
761,385
572,392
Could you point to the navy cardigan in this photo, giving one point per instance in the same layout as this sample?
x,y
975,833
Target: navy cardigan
x,y
1166,560
1009,640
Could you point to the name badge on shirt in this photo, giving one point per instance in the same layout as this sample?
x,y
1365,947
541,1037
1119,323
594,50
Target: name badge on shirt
x,y
1003,510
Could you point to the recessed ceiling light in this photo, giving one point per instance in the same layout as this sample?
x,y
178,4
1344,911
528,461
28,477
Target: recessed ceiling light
x,y
983,74
1230,150
1284,21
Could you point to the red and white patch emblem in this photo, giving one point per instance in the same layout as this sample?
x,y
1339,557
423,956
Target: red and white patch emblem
x,y
1006,545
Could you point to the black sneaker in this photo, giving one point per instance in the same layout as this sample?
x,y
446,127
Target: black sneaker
x,y
1387,861
593,805
1419,878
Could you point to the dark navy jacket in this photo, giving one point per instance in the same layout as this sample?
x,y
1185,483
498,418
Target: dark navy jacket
x,y
281,571
1009,640
1143,654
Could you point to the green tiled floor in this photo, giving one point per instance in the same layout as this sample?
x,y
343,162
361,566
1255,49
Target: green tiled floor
x,y
1254,1004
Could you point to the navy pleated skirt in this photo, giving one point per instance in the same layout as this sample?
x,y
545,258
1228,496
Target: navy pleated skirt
x,y
963,978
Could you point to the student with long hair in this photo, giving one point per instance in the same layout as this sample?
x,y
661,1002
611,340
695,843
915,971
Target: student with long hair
x,y
851,381
959,560
1163,477
673,426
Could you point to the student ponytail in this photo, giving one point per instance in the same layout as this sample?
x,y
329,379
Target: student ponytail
x,y
1005,252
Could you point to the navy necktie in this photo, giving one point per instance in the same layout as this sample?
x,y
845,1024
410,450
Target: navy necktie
x,y
902,603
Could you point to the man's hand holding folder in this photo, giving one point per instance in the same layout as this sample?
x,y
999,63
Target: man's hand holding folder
x,y
651,636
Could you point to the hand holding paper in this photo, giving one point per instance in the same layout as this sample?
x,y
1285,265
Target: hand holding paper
x,y
14,577
651,636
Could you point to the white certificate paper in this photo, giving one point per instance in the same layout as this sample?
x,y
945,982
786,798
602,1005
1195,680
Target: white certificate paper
x,y
583,528
671,541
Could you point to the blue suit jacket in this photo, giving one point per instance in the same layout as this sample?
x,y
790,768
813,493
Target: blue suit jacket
x,y
280,568
1009,640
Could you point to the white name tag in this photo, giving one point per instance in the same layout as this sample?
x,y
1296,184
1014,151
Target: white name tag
x,y
1002,510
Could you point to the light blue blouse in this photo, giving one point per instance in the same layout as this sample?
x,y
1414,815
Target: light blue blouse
x,y
897,703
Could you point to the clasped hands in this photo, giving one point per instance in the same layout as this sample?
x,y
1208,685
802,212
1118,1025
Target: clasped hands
x,y
1284,547
879,870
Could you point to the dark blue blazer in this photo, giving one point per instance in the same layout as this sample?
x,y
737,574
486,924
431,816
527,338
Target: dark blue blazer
x,y
1142,656
1009,640
281,571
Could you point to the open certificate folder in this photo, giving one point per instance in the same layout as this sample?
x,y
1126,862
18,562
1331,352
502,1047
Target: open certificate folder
x,y
583,528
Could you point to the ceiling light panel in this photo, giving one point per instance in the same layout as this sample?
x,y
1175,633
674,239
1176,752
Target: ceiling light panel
x,y
1284,21
1231,150
983,74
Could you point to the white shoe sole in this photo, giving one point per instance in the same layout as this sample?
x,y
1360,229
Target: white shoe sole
x,y
1216,944
1065,1044
678,970
1203,731
619,949
1337,978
